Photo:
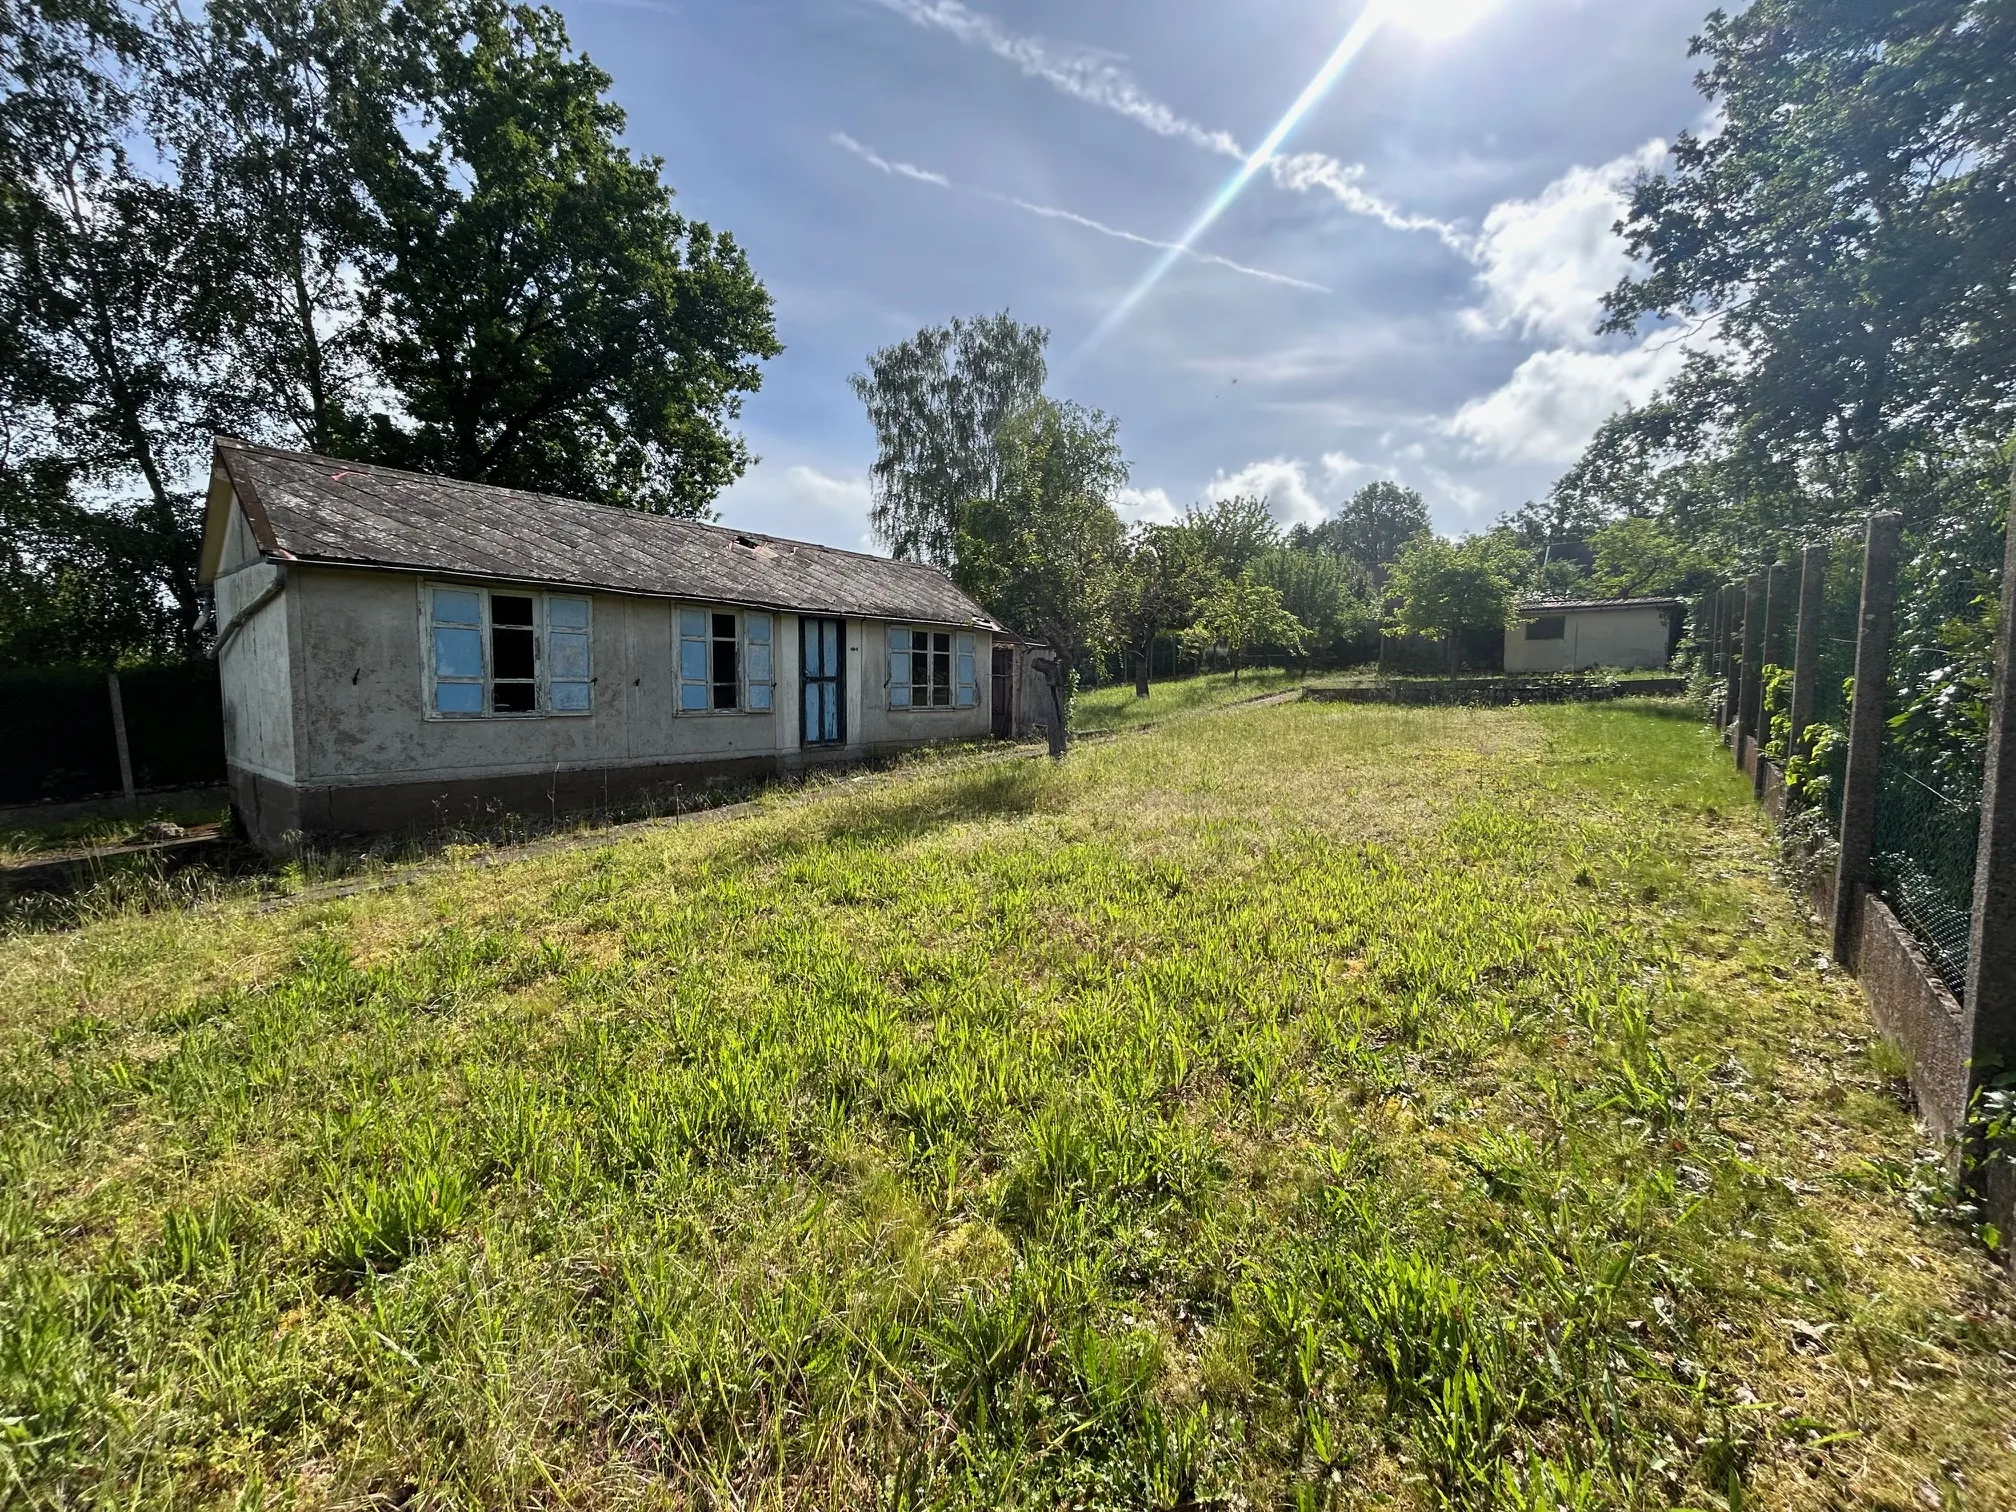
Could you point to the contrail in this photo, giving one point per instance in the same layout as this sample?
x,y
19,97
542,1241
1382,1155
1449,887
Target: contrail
x,y
1362,31
899,169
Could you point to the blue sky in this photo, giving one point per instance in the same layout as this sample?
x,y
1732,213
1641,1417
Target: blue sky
x,y
1407,290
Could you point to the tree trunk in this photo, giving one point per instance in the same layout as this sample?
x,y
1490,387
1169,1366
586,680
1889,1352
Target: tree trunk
x,y
1455,652
1054,674
1141,675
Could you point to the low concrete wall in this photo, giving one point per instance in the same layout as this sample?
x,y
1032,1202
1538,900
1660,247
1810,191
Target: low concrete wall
x,y
1498,690
1912,1008
1909,1002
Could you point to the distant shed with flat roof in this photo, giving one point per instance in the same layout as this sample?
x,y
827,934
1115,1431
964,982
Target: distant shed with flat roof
x,y
1576,635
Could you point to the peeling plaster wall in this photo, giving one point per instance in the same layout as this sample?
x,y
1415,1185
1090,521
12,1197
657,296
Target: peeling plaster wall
x,y
255,669
361,694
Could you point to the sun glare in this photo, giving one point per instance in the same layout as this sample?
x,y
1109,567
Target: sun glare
x,y
1438,19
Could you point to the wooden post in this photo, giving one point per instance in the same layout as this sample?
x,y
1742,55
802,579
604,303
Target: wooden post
x,y
1991,965
1865,728
1777,611
1750,696
1806,655
119,738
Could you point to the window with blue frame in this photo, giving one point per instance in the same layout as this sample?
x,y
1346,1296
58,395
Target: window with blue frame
x,y
932,669
726,662
505,652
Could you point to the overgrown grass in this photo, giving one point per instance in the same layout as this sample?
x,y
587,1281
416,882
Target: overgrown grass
x,y
1301,1106
24,842
1116,708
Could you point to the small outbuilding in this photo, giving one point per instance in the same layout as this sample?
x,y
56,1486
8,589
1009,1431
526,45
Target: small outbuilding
x,y
402,651
1575,635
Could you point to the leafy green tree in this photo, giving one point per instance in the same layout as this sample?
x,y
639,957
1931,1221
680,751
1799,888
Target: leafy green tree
x,y
1231,533
1241,615
272,105
1329,596
549,322
938,403
1440,588
1373,526
1640,557
1043,553
1849,228
1163,573
107,355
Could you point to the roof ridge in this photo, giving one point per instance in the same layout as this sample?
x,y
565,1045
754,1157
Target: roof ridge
x,y
238,444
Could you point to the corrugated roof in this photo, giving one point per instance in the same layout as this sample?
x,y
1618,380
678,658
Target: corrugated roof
x,y
319,509
1561,606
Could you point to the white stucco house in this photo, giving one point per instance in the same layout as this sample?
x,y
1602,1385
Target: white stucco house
x,y
401,651
1626,635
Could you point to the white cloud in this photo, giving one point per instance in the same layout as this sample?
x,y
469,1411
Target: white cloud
x,y
1145,506
1545,263
1555,401
1095,79
901,169
1282,482
801,503
1338,467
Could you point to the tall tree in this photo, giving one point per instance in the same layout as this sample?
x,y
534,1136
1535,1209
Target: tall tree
x,y
1330,597
274,104
938,403
1043,551
1850,228
549,322
1373,526
101,267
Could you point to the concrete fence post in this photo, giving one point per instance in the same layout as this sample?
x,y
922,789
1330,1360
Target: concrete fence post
x,y
1750,694
1777,613
1991,964
1732,645
1708,630
119,739
1806,654
1865,728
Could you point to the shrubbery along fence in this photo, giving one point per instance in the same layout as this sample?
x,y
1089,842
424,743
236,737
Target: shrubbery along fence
x,y
1870,691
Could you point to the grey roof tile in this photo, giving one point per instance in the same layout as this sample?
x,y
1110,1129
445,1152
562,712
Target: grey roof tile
x,y
320,509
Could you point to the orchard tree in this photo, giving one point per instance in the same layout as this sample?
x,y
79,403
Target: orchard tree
x,y
1440,588
938,403
1163,573
1233,532
1044,552
1242,615
1328,595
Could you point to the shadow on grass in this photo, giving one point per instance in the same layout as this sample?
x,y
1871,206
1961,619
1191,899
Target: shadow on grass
x,y
891,816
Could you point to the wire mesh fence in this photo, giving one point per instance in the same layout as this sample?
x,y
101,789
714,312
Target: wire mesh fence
x,y
1929,772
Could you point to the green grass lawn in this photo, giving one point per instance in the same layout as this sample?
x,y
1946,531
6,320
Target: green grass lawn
x,y
1116,708
1299,1106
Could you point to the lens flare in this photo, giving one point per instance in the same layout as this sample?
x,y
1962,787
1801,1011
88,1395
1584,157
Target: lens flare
x,y
1429,17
